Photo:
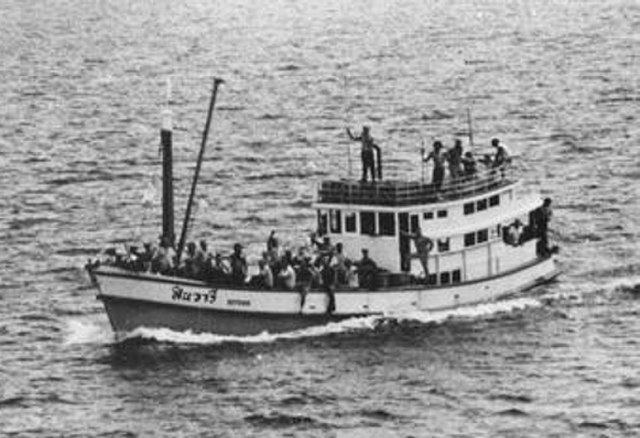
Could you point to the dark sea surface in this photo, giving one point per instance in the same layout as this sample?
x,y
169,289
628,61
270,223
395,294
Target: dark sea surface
x,y
83,84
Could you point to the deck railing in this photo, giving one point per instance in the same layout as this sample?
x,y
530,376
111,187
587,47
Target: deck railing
x,y
402,193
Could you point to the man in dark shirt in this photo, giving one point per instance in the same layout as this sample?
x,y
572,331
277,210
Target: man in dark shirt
x,y
238,265
367,270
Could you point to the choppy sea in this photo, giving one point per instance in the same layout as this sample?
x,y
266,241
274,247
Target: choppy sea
x,y
82,86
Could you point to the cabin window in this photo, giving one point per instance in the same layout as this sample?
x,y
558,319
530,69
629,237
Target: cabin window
x,y
442,213
322,222
456,276
428,215
387,224
350,222
432,279
482,205
494,233
483,236
469,208
335,221
367,223
494,200
445,277
469,239
443,245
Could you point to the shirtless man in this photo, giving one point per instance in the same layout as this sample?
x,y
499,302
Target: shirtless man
x,y
367,152
423,245
438,156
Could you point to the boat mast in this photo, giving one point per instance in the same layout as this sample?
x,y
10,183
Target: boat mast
x,y
187,216
166,134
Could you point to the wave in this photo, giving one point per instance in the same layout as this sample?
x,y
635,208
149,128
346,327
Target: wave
x,y
513,412
585,292
281,420
12,401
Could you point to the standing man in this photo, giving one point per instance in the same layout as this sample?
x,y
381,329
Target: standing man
x,y
423,245
454,157
438,157
367,152
545,218
238,265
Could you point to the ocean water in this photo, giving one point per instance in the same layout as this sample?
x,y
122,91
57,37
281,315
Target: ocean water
x,y
83,84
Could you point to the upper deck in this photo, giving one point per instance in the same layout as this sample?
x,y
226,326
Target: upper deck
x,y
394,193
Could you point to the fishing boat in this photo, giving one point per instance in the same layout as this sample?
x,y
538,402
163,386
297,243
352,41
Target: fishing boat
x,y
475,239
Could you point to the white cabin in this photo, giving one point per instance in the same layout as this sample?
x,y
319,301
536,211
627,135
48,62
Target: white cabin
x,y
466,220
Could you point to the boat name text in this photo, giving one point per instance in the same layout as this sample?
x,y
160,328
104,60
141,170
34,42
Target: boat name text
x,y
179,294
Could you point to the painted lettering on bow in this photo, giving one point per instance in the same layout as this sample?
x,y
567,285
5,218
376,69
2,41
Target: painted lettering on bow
x,y
178,293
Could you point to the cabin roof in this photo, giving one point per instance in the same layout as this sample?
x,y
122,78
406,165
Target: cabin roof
x,y
395,193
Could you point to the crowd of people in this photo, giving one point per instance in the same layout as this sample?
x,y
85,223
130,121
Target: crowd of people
x,y
318,265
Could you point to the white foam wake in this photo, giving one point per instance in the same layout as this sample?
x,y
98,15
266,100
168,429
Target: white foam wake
x,y
349,325
87,331
469,312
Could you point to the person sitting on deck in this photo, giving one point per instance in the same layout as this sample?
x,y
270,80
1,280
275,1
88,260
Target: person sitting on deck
x,y
454,157
147,256
121,257
287,276
338,265
470,165
438,157
199,266
238,265
189,267
164,261
367,270
367,153
264,279
218,270
351,277
502,155
134,259
515,231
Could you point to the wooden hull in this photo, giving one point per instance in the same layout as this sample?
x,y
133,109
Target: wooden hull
x,y
135,300
126,315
